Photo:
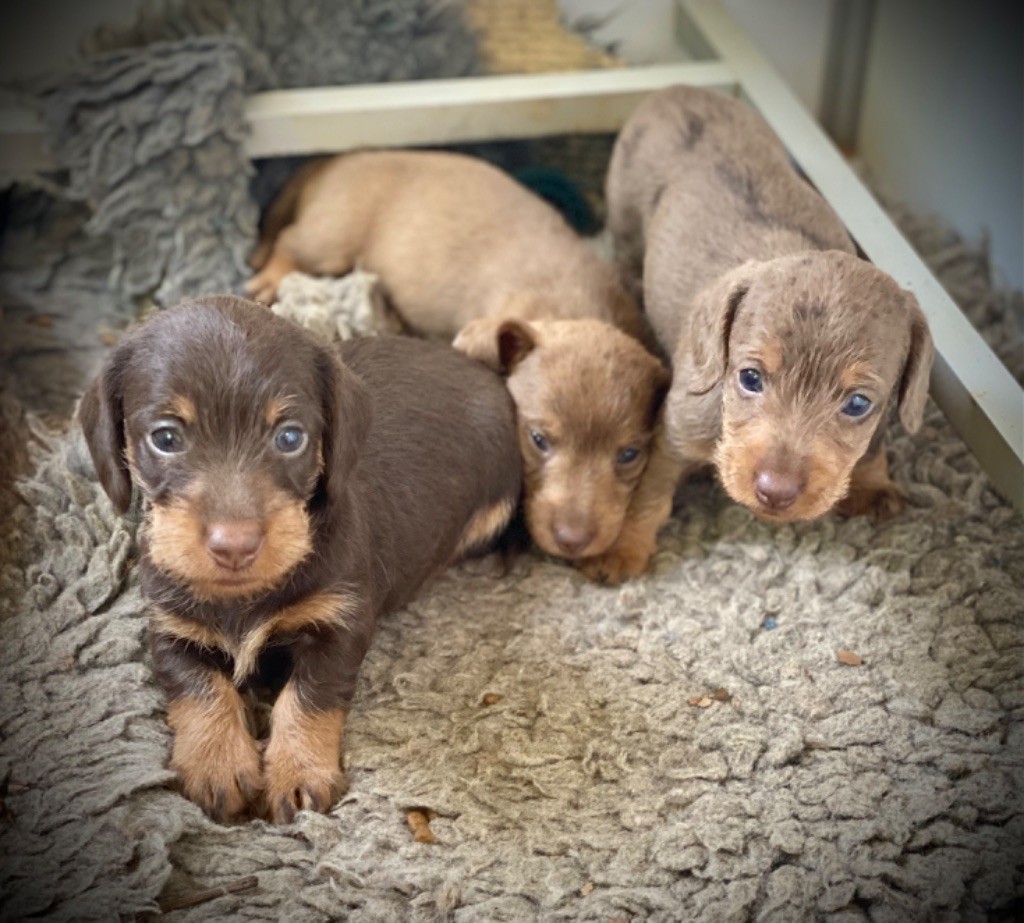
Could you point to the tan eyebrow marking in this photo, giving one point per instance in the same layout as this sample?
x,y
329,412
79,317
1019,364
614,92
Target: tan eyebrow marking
x,y
276,408
771,356
184,408
858,373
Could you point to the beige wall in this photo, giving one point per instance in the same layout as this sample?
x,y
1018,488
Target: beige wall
x,y
942,123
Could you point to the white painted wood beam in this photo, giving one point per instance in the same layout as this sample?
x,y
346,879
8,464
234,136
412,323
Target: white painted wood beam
x,y
431,112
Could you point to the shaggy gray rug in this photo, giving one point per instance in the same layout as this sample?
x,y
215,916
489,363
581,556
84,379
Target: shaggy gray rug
x,y
687,747
570,742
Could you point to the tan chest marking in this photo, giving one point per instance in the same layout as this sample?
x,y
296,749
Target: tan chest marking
x,y
320,611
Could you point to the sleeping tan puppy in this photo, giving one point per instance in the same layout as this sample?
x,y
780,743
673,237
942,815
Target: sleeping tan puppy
x,y
788,351
451,237
461,248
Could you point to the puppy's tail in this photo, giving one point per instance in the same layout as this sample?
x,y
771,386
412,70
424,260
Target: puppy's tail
x,y
282,211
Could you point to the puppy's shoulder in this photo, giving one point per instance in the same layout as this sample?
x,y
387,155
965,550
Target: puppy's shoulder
x,y
404,372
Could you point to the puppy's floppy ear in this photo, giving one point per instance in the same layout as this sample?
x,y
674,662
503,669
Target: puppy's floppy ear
x,y
917,368
101,414
347,414
500,344
710,323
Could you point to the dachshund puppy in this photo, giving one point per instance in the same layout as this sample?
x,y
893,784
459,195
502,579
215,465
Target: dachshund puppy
x,y
588,401
788,351
451,238
293,495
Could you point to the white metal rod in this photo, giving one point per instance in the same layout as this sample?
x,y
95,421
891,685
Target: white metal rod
x,y
975,391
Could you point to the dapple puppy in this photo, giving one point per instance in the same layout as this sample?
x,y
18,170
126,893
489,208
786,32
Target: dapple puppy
x,y
788,351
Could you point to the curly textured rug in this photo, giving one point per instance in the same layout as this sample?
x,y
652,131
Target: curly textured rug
x,y
570,742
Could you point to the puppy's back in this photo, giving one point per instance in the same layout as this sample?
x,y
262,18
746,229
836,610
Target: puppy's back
x,y
454,238
442,450
698,184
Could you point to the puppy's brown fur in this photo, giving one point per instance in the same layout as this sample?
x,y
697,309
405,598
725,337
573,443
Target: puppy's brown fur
x,y
588,402
452,238
257,549
745,267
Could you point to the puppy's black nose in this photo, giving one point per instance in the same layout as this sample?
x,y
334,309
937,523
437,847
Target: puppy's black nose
x,y
572,538
234,545
777,490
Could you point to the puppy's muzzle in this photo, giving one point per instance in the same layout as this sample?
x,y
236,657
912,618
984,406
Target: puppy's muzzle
x,y
573,537
778,488
234,545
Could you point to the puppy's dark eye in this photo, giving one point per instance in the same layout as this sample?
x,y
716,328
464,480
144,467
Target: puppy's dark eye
x,y
290,439
628,456
540,440
167,439
856,406
751,380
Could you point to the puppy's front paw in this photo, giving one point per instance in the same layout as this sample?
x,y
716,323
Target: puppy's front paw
x,y
219,771
616,565
300,781
262,289
880,503
301,769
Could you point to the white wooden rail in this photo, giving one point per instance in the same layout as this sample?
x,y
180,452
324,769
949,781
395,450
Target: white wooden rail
x,y
969,383
467,109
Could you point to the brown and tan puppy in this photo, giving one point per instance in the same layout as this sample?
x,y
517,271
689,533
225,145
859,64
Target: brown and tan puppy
x,y
294,493
588,401
788,351
452,239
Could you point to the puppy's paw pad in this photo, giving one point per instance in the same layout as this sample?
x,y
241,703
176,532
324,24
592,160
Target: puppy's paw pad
x,y
613,567
879,503
261,291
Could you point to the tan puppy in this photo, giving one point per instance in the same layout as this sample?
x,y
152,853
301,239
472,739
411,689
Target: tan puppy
x,y
788,350
451,237
588,401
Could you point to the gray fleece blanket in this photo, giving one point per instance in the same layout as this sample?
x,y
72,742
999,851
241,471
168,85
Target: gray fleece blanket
x,y
687,747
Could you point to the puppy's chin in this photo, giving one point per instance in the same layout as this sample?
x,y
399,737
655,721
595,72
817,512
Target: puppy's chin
x,y
229,587
176,537
800,511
